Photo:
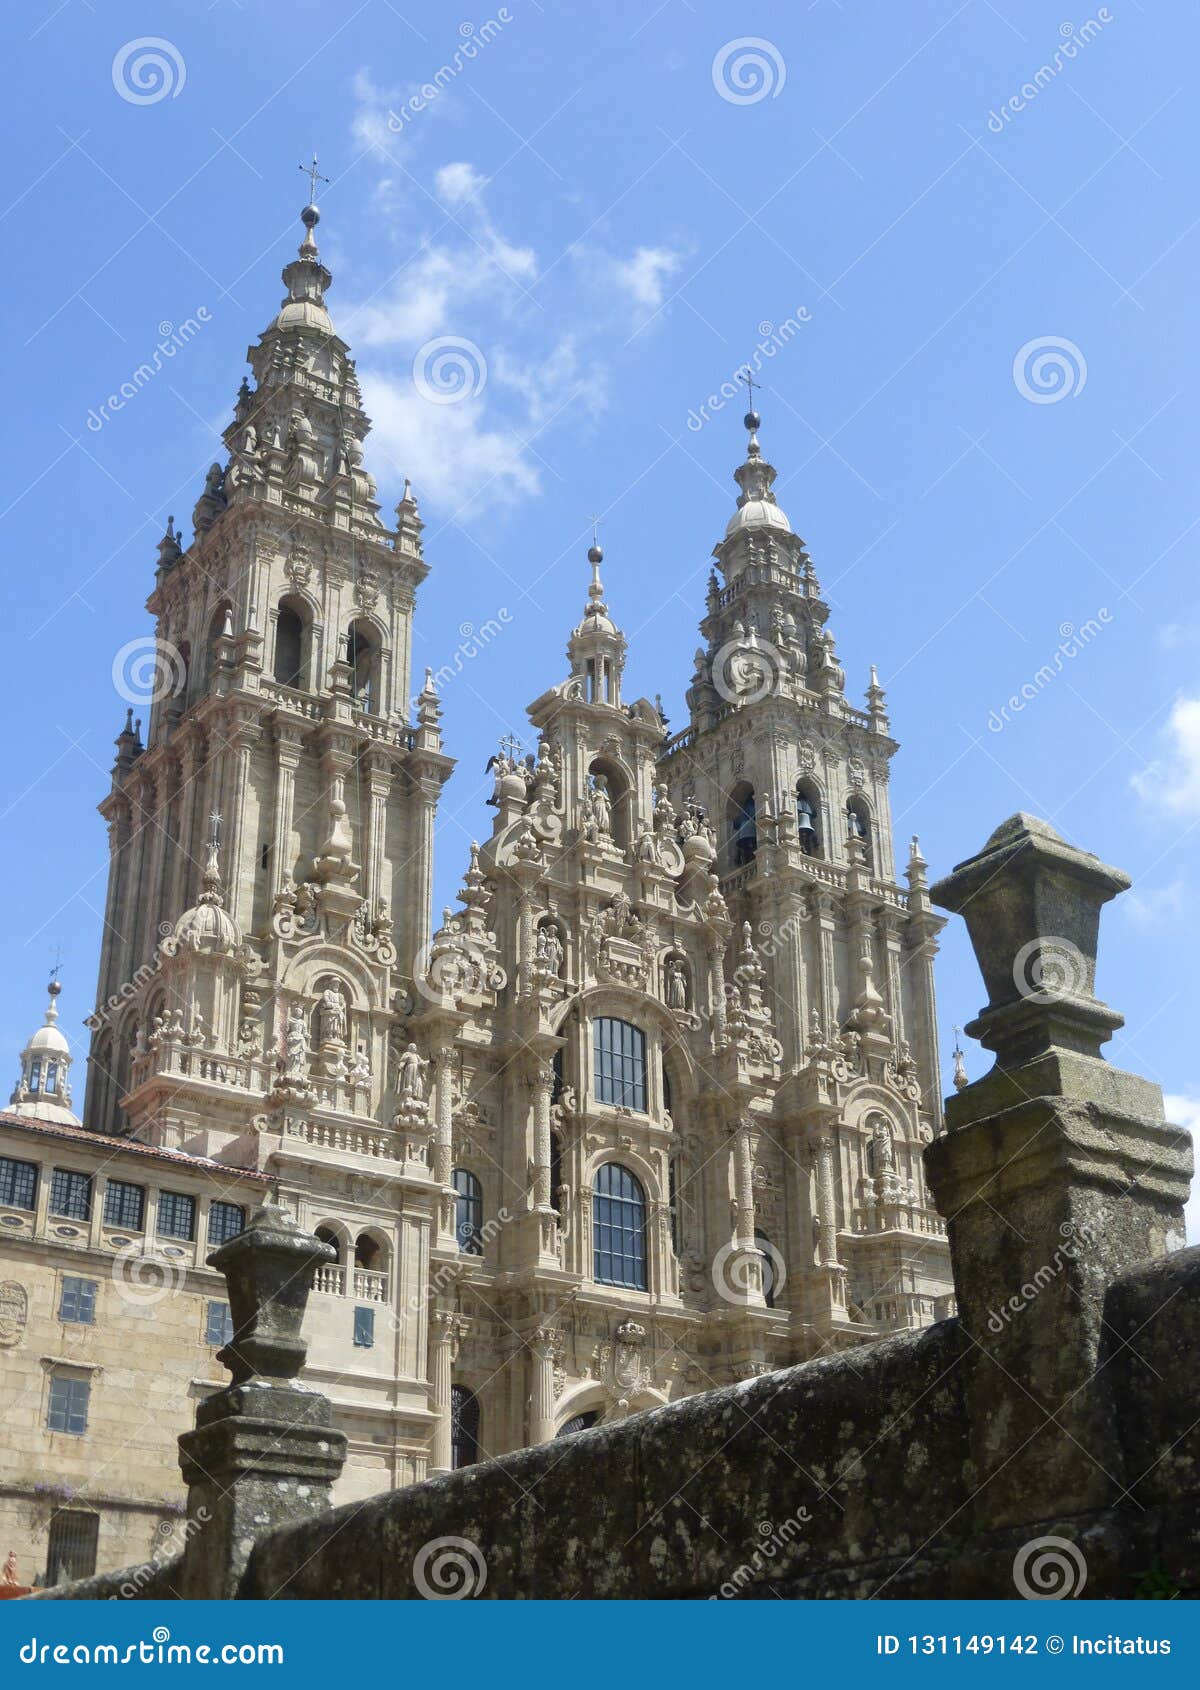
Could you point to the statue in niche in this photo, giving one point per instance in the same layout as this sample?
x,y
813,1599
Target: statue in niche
x,y
550,948
410,1075
599,824
677,997
333,1015
883,1151
295,1040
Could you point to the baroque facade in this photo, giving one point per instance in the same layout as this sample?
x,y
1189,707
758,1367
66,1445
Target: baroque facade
x,y
643,1115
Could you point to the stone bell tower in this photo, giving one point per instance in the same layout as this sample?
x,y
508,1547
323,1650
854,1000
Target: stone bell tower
x,y
794,782
271,840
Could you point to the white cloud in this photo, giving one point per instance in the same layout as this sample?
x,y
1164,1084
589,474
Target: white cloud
x,y
1156,906
644,277
452,453
1185,1112
458,182
1173,781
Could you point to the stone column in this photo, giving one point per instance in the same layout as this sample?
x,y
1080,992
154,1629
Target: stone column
x,y
379,784
445,1329
287,761
826,1160
542,1085
716,990
826,967
1056,1173
543,1353
264,1453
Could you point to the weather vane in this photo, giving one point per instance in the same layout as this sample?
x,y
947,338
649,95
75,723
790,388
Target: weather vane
x,y
314,176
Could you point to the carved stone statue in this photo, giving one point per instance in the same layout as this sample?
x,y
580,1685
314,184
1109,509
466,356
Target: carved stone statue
x,y
333,1015
295,1040
410,1075
676,983
550,948
599,825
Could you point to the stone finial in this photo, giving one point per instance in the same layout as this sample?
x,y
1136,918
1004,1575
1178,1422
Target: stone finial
x,y
264,1452
1032,905
269,1271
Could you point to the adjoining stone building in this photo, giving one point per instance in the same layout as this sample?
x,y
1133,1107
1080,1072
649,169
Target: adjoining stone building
x,y
644,1115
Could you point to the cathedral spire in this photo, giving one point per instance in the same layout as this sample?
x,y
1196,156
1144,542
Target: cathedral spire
x,y
597,646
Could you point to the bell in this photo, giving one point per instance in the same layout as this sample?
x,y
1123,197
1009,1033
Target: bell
x,y
806,819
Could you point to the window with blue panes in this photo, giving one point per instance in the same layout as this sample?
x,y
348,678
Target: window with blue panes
x,y
68,1410
364,1328
468,1212
220,1324
225,1221
77,1301
18,1183
176,1215
620,1052
70,1195
619,1228
124,1205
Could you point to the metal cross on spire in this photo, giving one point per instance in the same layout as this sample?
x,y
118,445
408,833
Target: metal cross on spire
x,y
314,176
747,376
215,837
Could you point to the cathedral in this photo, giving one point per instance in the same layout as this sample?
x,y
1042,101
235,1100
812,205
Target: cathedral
x,y
642,1115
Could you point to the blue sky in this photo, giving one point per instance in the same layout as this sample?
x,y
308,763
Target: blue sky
x,y
985,422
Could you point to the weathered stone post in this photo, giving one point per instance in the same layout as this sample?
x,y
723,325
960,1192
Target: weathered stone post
x,y
263,1453
1056,1173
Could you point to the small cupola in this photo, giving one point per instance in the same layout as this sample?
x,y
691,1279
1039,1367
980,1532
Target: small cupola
x,y
43,1092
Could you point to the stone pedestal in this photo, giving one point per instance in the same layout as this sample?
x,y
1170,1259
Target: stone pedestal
x,y
1056,1173
263,1453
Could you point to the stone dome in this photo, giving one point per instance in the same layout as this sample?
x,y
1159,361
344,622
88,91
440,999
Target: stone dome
x,y
758,513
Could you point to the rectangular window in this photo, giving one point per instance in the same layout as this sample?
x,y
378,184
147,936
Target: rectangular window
x,y
18,1183
71,1195
68,1405
364,1328
125,1205
220,1324
78,1300
71,1553
225,1221
176,1215
620,1050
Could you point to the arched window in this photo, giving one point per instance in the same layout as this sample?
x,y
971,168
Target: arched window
x,y
620,1051
619,1228
464,1427
743,827
468,1212
216,627
767,1252
808,819
579,1423
289,646
35,1074
368,1252
51,1077
362,656
327,1235
858,825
